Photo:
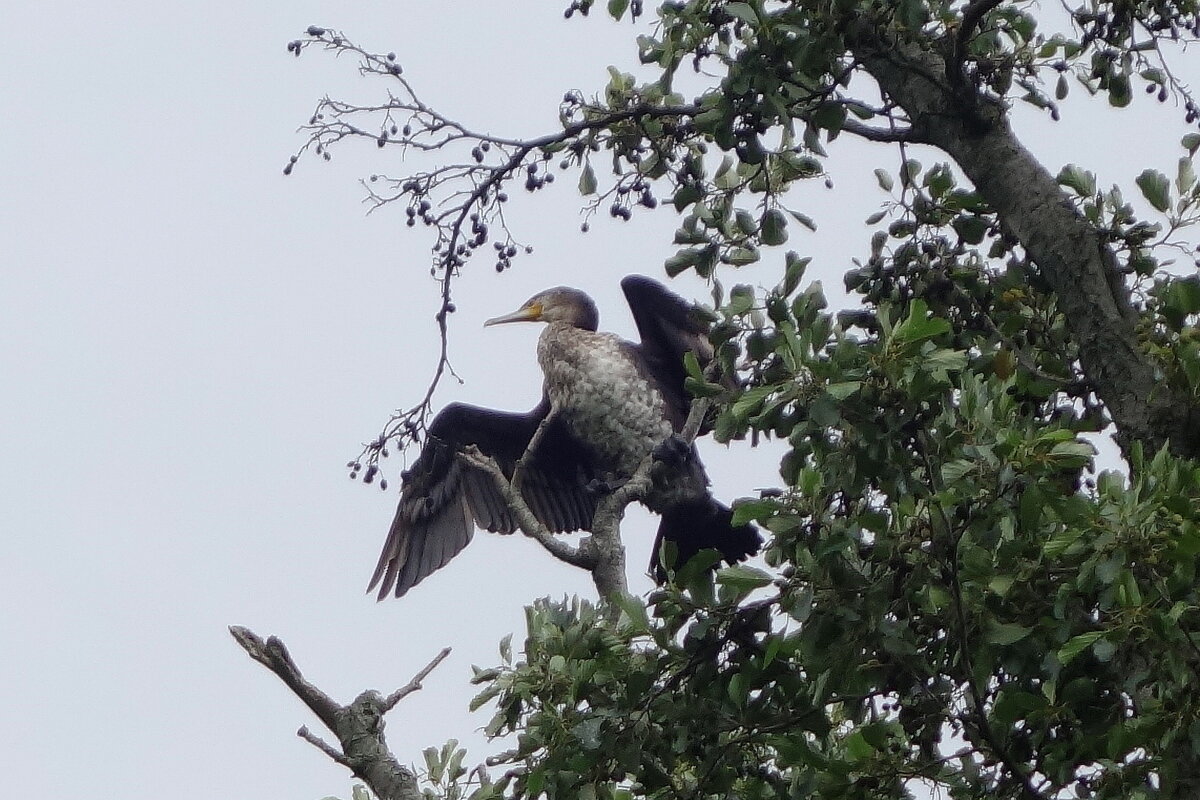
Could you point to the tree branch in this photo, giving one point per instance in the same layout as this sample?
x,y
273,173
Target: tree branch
x,y
518,476
527,521
1070,252
358,726
907,135
415,684
972,16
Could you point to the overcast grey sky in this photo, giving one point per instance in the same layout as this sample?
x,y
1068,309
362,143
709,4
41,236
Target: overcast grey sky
x,y
193,345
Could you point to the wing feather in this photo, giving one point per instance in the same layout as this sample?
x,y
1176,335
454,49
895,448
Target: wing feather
x,y
443,498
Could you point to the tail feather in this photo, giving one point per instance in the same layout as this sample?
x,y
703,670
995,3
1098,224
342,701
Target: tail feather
x,y
703,524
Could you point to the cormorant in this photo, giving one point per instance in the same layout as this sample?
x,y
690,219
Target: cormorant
x,y
613,403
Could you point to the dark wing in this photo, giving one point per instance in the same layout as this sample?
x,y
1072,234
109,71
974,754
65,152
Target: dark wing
x,y
443,498
669,327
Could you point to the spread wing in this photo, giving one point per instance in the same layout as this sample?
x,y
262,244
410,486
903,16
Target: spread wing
x,y
443,498
669,327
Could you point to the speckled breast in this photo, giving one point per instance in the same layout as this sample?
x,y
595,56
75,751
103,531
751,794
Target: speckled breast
x,y
597,388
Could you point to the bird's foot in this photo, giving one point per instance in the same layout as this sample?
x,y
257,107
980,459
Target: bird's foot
x,y
673,451
606,485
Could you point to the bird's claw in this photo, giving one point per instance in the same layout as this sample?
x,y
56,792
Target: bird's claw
x,y
604,485
673,450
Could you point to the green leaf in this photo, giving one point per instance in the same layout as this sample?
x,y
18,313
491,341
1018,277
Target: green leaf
x,y
587,181
1014,704
1155,188
1185,176
1104,650
742,11
877,734
944,360
698,388
484,697
953,471
1057,544
773,228
740,256
1006,633
1001,584
1120,93
857,747
793,749
743,578
616,8
830,116
433,763
794,271
919,326
1191,143
686,195
683,260
971,228
634,611
884,179
745,221
750,400
842,390
750,510
1076,645
1071,455
804,219
588,733
1080,180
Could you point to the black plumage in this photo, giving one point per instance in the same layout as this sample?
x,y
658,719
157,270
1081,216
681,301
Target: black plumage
x,y
613,402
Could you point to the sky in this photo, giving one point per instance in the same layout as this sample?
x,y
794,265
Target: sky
x,y
193,345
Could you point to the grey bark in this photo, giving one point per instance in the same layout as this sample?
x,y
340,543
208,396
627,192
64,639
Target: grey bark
x,y
358,726
1083,271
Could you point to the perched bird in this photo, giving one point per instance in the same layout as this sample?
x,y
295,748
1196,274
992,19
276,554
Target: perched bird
x,y
610,404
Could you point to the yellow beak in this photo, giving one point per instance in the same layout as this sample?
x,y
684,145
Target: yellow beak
x,y
529,313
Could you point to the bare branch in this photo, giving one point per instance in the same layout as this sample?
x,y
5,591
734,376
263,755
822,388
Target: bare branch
x,y
415,684
518,477
326,748
528,522
908,135
358,726
273,655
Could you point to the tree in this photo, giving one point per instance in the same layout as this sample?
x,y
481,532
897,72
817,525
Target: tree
x,y
953,599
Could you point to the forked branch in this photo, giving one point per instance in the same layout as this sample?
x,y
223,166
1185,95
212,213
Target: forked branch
x,y
357,726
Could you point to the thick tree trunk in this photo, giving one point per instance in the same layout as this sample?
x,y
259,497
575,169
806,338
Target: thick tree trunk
x,y
1081,268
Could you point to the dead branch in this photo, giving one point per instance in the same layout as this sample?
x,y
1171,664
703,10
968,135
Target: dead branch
x,y
358,726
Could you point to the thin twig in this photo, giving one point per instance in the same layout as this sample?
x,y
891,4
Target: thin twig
x,y
518,476
415,684
326,748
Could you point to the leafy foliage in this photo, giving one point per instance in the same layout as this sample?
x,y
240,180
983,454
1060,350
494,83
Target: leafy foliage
x,y
951,604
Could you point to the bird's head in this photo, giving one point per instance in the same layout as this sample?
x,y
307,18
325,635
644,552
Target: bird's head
x,y
560,304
